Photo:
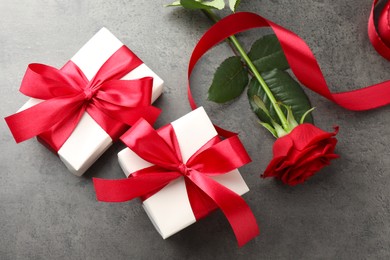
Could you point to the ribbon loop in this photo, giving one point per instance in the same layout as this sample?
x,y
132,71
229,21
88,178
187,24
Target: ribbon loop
x,y
150,146
230,151
44,82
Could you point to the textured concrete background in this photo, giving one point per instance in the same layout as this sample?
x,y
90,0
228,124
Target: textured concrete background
x,y
341,213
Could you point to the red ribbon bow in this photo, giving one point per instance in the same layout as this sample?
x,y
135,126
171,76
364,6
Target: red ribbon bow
x,y
161,148
112,103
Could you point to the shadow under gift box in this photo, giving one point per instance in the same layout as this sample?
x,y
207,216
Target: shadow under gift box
x,y
89,141
169,209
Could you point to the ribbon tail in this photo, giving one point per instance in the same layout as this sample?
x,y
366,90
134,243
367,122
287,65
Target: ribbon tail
x,y
237,212
43,114
200,202
127,189
57,135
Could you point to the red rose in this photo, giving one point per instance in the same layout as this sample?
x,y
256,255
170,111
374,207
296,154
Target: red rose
x,y
301,153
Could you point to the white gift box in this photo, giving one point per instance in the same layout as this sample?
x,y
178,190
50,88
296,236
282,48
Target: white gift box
x,y
88,140
169,209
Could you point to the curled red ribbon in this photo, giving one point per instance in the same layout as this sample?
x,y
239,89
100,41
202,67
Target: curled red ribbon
x,y
161,148
302,61
380,38
114,104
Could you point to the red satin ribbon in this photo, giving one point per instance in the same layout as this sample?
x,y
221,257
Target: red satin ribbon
x,y
380,38
301,59
161,148
114,104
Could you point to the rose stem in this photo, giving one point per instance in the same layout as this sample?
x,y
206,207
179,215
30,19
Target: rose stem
x,y
233,41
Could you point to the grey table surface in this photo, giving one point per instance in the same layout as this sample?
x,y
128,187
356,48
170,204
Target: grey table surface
x,y
341,213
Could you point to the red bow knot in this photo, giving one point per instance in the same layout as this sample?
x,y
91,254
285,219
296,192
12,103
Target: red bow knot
x,y
113,103
184,170
161,148
89,94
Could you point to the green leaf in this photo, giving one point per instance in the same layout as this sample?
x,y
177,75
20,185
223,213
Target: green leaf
x,y
269,128
290,118
260,104
176,3
276,130
305,114
194,5
267,54
229,81
286,90
233,4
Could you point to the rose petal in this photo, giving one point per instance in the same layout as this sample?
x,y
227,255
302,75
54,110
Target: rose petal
x,y
313,154
285,177
301,174
270,170
326,146
282,146
307,134
307,168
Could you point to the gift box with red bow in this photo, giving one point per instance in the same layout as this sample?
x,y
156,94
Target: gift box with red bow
x,y
79,110
182,172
